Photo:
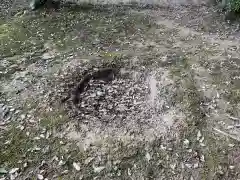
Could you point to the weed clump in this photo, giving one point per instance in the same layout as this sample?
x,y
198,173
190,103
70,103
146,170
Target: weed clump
x,y
234,6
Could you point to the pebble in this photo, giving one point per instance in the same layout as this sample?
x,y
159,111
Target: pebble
x,y
42,136
12,171
231,145
88,160
25,165
36,138
40,177
65,172
188,165
12,109
148,156
17,111
195,165
98,169
21,127
76,166
61,163
23,116
46,56
199,135
186,142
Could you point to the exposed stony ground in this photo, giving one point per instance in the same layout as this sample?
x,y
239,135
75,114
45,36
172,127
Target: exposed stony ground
x,y
171,113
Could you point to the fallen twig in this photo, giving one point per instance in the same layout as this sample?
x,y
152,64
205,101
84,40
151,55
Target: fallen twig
x,y
226,134
233,118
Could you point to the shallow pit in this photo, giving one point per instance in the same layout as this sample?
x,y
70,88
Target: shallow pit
x,y
135,104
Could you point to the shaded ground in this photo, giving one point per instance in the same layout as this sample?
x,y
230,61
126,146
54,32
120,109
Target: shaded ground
x,y
171,114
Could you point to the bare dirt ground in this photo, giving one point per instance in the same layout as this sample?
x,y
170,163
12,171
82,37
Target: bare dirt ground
x,y
172,111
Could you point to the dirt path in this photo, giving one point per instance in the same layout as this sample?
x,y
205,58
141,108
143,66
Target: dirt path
x,y
171,112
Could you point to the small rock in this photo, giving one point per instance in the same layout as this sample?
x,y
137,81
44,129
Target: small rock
x,y
37,148
195,165
46,56
163,147
188,165
199,135
21,127
23,116
201,140
7,142
65,171
173,166
148,156
88,160
19,162
25,164
42,136
129,172
231,167
99,93
61,163
98,169
55,158
231,145
12,171
220,172
48,135
76,166
202,159
186,142
40,177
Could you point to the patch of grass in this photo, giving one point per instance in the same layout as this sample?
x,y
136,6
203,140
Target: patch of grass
x,y
53,120
69,28
14,144
215,150
233,96
26,146
234,5
24,142
22,146
12,37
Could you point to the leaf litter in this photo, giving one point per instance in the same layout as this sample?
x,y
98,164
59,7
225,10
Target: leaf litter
x,y
136,120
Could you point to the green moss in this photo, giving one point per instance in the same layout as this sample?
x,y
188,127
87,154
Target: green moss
x,y
53,120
